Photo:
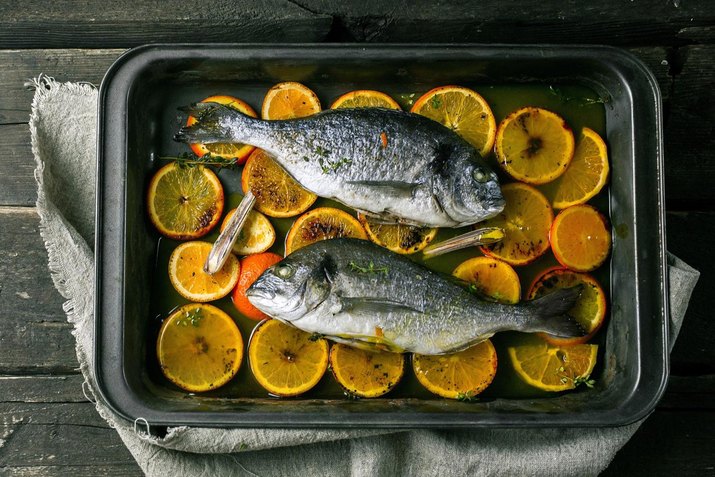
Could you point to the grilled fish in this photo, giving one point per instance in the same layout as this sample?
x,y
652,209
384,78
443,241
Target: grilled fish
x,y
392,165
358,293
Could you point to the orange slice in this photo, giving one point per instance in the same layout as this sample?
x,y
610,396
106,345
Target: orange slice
x,y
580,238
277,193
184,202
365,98
186,272
285,360
585,176
492,278
364,373
534,145
322,223
289,100
256,236
526,221
460,375
404,239
251,268
228,150
462,110
199,347
552,368
590,308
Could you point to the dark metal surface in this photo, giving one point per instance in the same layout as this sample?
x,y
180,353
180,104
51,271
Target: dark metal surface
x,y
137,100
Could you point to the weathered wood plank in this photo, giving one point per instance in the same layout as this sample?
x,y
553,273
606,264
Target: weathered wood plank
x,y
691,392
34,334
17,183
42,389
690,128
94,23
19,66
115,470
669,443
694,351
610,22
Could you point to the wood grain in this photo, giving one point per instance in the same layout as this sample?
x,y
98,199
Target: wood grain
x,y
125,23
690,129
651,22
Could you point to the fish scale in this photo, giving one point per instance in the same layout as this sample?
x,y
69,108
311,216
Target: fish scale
x,y
426,175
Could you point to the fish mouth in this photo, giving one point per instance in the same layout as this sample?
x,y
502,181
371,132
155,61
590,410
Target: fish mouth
x,y
259,292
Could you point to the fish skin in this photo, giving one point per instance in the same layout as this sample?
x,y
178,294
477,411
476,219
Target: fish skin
x,y
426,174
356,292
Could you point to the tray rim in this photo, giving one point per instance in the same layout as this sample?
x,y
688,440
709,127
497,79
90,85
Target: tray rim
x,y
425,420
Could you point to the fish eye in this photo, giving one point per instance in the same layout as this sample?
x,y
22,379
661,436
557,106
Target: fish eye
x,y
480,175
285,271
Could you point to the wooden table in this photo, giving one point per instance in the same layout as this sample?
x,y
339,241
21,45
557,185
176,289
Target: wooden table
x,y
47,427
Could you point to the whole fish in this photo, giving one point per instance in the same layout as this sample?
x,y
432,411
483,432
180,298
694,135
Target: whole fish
x,y
394,165
358,293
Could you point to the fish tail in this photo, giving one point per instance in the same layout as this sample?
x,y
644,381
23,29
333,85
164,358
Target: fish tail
x,y
549,314
212,124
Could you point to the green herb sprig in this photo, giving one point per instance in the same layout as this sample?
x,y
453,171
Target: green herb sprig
x,y
186,159
190,318
469,396
371,268
580,100
329,166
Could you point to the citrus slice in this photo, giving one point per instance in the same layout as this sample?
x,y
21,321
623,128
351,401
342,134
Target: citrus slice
x,y
365,98
184,202
491,277
526,221
462,110
552,368
365,373
289,100
404,239
227,150
257,234
585,176
285,360
534,145
323,223
199,347
580,238
186,272
590,308
252,267
460,375
277,193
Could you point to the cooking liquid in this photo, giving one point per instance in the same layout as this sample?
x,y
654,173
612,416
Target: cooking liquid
x,y
579,106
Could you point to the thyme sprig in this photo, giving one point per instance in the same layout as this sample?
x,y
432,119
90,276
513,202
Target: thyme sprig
x,y
329,166
192,318
580,100
371,268
469,396
187,159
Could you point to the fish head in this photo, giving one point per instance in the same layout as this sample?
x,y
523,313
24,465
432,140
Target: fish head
x,y
470,191
290,289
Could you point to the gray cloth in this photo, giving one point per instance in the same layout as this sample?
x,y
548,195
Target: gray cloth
x,y
63,126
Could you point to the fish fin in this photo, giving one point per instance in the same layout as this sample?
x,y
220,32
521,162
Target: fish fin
x,y
394,189
552,313
368,344
208,128
371,306
330,268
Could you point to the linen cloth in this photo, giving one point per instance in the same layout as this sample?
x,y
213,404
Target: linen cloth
x,y
63,128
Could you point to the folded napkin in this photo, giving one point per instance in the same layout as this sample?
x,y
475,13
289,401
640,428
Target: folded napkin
x,y
63,127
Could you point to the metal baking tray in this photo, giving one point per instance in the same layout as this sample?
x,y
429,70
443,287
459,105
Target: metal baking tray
x,y
138,115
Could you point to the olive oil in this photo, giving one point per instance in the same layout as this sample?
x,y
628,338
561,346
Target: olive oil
x,y
579,106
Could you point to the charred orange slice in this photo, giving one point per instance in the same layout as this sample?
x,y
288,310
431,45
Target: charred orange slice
x,y
322,223
364,373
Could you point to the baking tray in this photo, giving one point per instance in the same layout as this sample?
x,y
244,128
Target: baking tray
x,y
137,117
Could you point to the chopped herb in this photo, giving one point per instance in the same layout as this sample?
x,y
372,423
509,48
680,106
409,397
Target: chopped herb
x,y
584,380
315,337
186,159
329,166
350,395
580,100
306,158
467,397
243,446
192,318
321,151
435,102
371,268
